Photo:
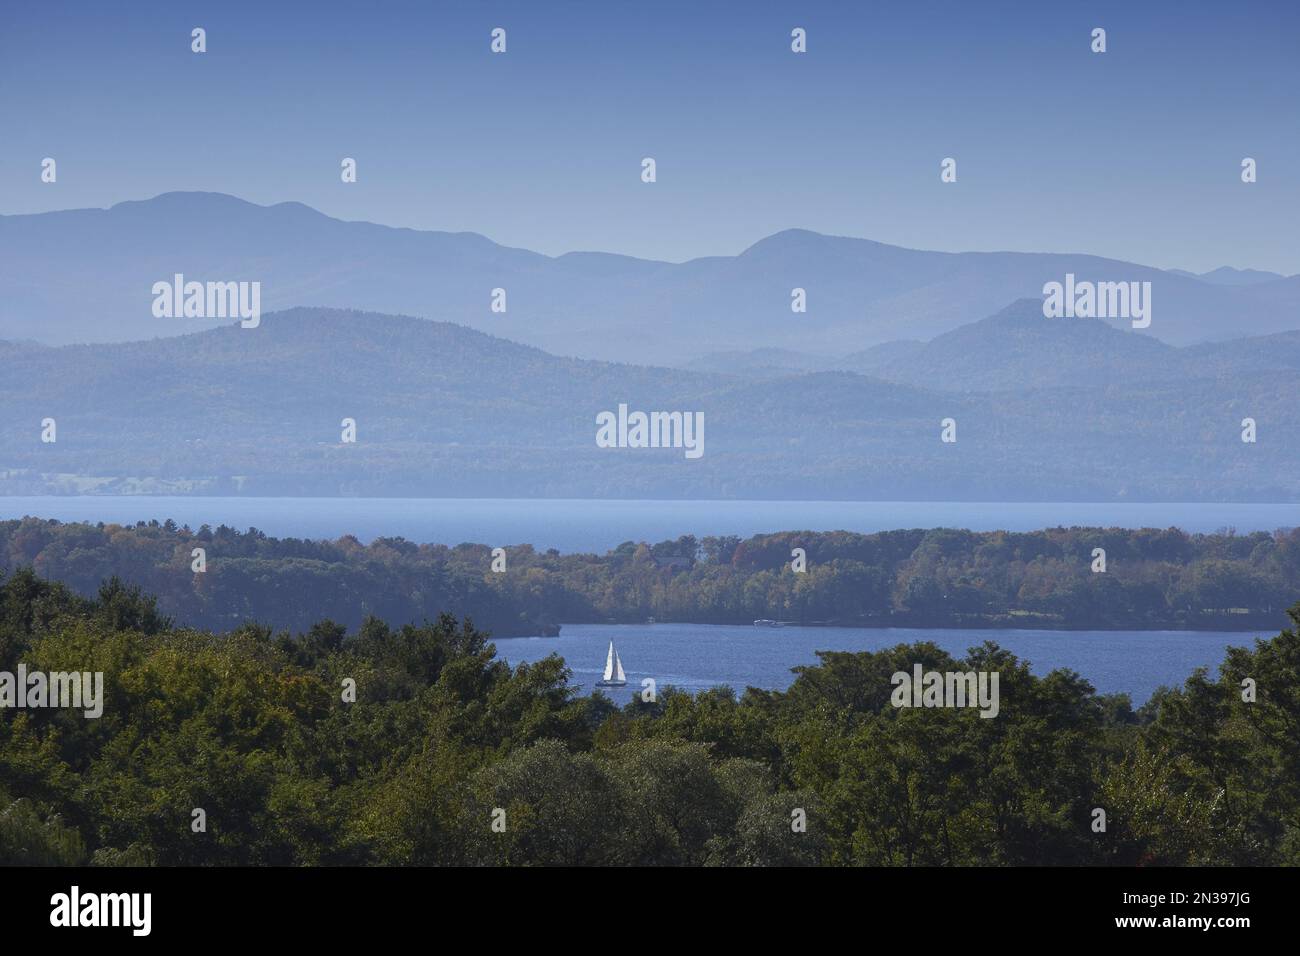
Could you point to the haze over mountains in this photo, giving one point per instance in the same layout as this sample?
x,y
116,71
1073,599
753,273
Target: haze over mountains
x,y
1045,410
1226,275
844,401
1019,348
86,275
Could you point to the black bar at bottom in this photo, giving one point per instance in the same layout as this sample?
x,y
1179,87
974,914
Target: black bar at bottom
x,y
332,906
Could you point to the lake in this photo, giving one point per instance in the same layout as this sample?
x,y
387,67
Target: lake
x,y
598,525
698,656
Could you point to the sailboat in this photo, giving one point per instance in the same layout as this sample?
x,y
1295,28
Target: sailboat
x,y
614,676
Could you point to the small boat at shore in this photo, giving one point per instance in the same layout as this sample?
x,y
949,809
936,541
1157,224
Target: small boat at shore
x,y
766,623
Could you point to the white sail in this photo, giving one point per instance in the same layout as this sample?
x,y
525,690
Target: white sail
x,y
609,664
619,666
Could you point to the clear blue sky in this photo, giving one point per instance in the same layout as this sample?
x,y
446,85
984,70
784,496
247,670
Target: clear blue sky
x,y
1134,153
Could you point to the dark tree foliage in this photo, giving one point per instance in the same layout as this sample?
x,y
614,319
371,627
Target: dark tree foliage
x,y
449,756
1154,579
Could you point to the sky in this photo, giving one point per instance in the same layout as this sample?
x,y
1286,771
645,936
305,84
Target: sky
x,y
1134,153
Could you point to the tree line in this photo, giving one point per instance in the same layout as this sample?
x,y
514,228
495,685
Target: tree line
x,y
1152,578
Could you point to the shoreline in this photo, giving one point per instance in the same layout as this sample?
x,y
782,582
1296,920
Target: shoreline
x,y
1266,629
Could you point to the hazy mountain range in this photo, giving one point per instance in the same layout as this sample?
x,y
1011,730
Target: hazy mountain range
x,y
1019,348
85,276
1066,409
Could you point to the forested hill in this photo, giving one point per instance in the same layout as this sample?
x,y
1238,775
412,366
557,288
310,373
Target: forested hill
x,y
940,577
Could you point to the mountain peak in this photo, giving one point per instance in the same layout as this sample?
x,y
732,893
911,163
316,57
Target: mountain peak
x,y
190,198
198,203
1227,275
793,240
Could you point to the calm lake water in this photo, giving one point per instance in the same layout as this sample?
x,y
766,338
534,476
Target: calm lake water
x,y
698,656
581,525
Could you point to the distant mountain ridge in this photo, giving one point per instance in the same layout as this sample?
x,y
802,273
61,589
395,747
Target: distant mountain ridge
x,y
85,276
1226,275
444,410
1018,348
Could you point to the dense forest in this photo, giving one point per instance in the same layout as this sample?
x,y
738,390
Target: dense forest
x,y
940,577
244,748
